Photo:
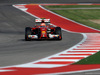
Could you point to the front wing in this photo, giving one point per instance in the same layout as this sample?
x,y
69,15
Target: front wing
x,y
51,36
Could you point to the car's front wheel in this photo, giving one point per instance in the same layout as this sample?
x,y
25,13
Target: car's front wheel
x,y
27,32
58,32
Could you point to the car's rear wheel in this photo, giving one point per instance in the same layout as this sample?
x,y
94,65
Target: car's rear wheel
x,y
58,32
27,32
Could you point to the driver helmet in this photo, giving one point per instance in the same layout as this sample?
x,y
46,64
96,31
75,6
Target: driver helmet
x,y
43,24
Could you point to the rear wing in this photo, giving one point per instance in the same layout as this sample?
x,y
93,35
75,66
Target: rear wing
x,y
42,20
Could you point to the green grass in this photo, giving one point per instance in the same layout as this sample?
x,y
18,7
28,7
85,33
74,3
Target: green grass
x,y
72,6
93,59
82,16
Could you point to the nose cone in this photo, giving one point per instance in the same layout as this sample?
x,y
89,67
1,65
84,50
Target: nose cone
x,y
43,32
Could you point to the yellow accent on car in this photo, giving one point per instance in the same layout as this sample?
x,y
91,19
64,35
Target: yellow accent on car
x,y
29,35
43,32
57,35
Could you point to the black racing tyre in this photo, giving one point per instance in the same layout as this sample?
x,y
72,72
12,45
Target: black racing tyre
x,y
39,33
27,32
58,32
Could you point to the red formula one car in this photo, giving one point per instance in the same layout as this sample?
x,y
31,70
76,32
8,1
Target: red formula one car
x,y
43,30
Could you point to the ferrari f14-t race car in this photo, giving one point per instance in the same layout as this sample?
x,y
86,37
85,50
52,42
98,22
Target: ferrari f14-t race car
x,y
43,30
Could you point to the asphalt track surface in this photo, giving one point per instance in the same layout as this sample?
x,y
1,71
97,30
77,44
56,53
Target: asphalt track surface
x,y
14,49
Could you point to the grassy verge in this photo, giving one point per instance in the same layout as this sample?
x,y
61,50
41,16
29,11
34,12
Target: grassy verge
x,y
72,6
83,16
93,59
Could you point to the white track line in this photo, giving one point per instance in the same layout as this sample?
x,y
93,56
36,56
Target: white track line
x,y
72,56
39,65
85,50
6,70
60,60
80,52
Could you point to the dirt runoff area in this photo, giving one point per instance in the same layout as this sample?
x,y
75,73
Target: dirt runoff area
x,y
96,21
